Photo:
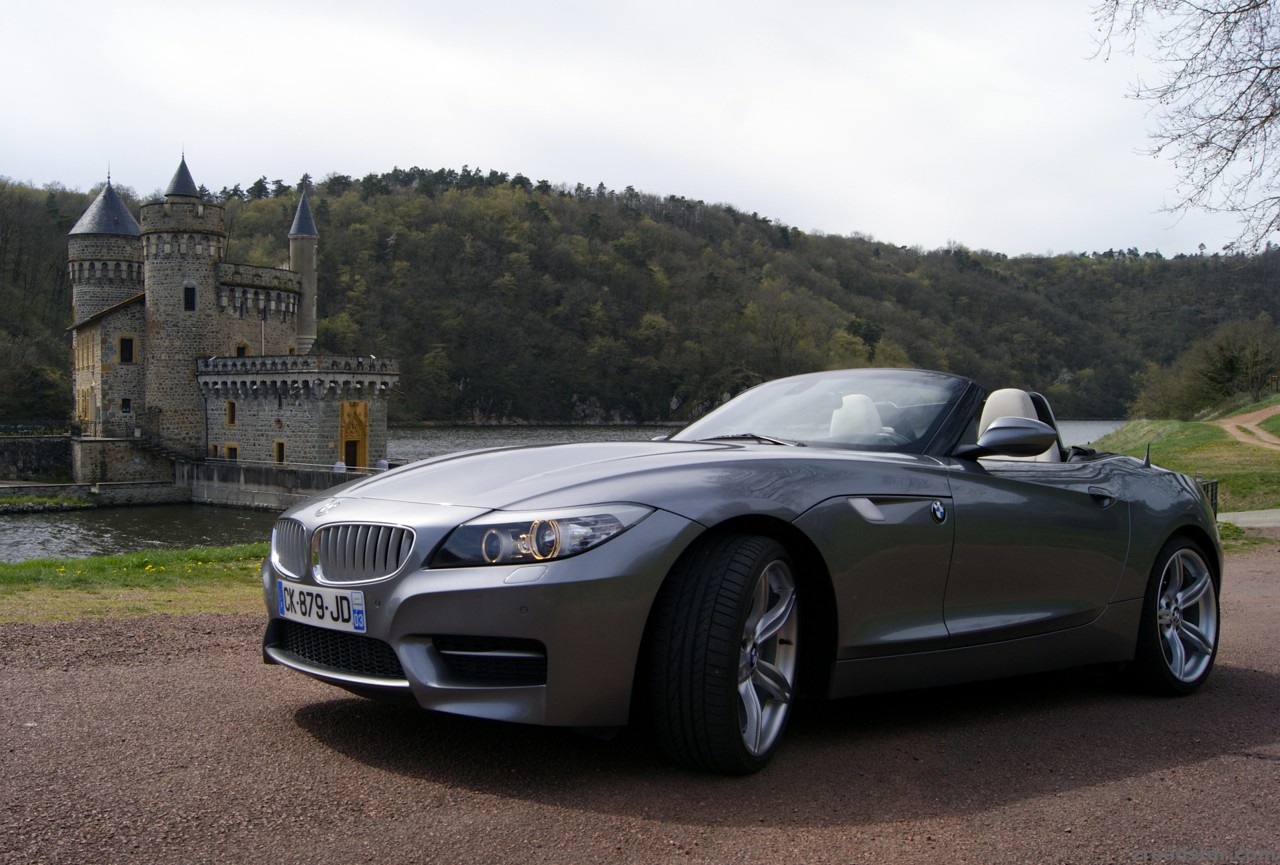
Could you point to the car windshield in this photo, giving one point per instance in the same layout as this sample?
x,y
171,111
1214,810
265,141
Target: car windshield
x,y
867,409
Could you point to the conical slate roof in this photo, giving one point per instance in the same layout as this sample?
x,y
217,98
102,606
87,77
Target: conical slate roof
x,y
303,224
182,184
107,215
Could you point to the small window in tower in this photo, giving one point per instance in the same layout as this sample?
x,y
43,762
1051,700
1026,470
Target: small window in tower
x,y
242,350
126,349
126,406
189,296
231,413
280,452
213,451
233,452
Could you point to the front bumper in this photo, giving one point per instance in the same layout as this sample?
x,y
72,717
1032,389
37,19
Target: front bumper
x,y
554,643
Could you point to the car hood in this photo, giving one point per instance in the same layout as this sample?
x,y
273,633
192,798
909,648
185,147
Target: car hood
x,y
699,480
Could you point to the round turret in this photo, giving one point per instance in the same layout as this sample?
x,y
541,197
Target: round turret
x,y
303,238
104,256
183,240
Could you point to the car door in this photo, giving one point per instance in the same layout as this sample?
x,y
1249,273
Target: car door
x,y
889,555
1039,546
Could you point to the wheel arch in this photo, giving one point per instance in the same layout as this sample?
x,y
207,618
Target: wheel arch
x,y
815,592
1209,545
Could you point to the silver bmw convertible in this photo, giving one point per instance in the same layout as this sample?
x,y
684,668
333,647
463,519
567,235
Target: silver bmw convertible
x,y
824,535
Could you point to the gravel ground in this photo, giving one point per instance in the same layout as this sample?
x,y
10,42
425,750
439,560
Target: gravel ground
x,y
166,740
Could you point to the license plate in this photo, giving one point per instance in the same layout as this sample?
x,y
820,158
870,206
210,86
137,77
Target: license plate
x,y
327,608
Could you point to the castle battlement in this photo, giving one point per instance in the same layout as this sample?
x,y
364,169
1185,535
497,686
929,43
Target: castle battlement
x,y
163,244
180,217
321,364
323,377
252,276
292,376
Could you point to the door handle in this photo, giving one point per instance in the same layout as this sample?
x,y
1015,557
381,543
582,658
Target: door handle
x,y
1103,498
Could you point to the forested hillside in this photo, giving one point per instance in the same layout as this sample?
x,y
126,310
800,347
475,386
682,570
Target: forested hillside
x,y
505,299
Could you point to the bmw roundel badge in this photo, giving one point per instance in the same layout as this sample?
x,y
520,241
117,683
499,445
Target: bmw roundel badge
x,y
939,511
333,503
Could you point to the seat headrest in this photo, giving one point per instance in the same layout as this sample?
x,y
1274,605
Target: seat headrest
x,y
1006,402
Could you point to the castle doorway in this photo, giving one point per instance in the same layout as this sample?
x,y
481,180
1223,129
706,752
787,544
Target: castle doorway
x,y
354,432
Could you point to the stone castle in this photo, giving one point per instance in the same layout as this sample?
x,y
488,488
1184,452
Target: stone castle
x,y
182,356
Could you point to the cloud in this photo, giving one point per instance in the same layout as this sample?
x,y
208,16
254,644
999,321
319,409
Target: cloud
x,y
984,123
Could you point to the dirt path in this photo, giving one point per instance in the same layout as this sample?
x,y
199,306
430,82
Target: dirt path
x,y
1245,428
166,740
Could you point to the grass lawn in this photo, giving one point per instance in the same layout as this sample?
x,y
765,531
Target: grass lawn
x,y
203,580
1248,477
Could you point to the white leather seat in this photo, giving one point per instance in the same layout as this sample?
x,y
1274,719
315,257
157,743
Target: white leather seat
x,y
1011,402
856,417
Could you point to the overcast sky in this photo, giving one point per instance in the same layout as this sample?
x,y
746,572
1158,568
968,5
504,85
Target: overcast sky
x,y
922,123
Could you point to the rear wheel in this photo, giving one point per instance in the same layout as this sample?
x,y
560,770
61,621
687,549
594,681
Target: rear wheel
x,y
1178,635
723,654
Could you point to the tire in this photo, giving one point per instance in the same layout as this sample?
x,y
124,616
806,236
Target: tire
x,y
1178,634
723,654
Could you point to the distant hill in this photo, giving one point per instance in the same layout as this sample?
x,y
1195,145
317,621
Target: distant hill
x,y
506,299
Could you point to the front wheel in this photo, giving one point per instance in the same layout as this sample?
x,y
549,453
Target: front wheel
x,y
1178,635
723,654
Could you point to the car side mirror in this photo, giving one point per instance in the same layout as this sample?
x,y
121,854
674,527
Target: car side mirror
x,y
1011,437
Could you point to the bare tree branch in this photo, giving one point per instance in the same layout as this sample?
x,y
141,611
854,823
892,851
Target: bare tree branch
x,y
1217,104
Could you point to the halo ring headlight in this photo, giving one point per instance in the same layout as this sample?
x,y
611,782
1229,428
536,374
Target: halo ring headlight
x,y
516,537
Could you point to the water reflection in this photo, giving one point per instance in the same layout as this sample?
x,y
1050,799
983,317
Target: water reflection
x,y
105,531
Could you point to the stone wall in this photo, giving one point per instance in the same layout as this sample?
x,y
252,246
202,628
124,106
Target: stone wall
x,y
104,269
122,399
105,495
294,403
35,458
96,461
261,487
183,243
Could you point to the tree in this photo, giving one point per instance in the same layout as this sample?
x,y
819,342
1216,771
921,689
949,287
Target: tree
x,y
1242,357
1218,103
1239,357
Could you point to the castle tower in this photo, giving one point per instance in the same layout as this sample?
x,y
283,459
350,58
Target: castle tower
x,y
104,256
183,240
303,238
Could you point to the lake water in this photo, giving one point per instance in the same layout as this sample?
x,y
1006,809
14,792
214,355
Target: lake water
x,y
105,531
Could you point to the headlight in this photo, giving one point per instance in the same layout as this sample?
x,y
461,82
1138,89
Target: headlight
x,y
512,537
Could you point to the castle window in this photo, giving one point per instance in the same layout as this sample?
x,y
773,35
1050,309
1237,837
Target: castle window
x,y
189,296
242,350
232,452
213,451
280,452
126,349
231,412
126,406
